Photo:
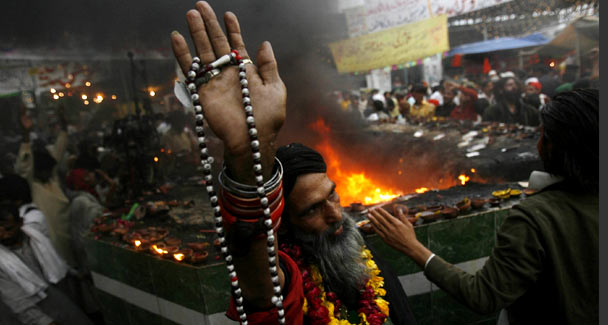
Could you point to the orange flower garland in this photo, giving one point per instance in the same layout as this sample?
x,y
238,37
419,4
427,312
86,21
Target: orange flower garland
x,y
325,308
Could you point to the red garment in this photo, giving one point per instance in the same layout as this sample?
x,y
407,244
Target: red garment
x,y
292,303
466,112
75,181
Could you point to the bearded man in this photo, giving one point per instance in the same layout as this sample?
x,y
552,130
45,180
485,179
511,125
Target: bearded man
x,y
509,107
323,271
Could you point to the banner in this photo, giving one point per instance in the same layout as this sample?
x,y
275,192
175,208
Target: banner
x,y
392,46
377,15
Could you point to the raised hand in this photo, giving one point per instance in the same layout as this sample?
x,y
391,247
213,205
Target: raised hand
x,y
221,96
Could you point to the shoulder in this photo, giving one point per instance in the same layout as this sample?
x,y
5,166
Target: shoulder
x,y
550,205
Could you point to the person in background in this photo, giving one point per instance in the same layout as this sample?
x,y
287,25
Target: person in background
x,y
392,107
438,91
34,286
544,268
510,107
421,110
448,103
404,107
345,102
466,109
532,94
39,168
485,97
568,78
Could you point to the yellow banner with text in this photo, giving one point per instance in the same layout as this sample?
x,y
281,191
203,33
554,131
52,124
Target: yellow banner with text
x,y
396,45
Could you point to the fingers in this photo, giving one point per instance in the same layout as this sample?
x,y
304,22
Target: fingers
x,y
233,29
181,51
379,222
267,64
401,216
198,32
214,31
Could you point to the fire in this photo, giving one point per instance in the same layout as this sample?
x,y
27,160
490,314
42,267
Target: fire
x,y
178,256
352,186
473,170
421,190
463,179
137,243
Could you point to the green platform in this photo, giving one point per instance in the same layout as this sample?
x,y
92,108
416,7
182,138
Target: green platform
x,y
137,288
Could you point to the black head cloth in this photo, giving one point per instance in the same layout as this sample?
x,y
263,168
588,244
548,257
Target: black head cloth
x,y
298,159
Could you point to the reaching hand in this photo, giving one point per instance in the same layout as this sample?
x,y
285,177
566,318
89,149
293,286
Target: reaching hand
x,y
221,96
397,232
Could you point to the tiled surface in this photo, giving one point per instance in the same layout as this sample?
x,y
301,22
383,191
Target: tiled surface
x,y
206,289
463,239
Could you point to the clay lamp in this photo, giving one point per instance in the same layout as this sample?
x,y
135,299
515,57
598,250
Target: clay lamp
x,y
365,226
120,231
494,201
199,246
450,212
464,205
529,191
170,251
429,215
172,241
478,203
198,257
183,255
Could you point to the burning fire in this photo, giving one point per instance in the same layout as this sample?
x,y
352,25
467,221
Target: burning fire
x,y
351,186
178,256
463,179
421,190
137,243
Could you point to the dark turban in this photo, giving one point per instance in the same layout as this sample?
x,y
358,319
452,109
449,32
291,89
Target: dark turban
x,y
298,159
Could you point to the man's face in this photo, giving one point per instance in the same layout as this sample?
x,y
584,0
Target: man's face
x,y
314,206
488,88
10,224
531,90
418,97
510,86
448,97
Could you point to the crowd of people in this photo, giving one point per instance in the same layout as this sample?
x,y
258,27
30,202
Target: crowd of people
x,y
61,177
505,97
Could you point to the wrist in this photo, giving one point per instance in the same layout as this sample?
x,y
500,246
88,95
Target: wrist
x,y
419,253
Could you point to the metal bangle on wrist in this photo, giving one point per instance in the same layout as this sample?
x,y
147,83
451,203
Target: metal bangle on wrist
x,y
250,191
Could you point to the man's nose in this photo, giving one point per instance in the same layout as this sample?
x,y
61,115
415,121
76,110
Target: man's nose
x,y
333,212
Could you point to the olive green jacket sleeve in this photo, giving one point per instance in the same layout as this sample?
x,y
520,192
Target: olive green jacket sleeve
x,y
514,264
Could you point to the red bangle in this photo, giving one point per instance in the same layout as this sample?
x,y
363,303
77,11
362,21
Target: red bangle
x,y
229,219
250,202
253,212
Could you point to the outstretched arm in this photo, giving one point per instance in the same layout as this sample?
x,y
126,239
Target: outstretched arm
x,y
221,100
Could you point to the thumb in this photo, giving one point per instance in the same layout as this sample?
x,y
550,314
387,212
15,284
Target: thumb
x,y
267,64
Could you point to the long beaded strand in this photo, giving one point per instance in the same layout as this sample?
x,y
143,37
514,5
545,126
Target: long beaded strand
x,y
206,161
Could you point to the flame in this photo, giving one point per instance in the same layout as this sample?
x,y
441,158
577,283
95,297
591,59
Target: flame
x,y
178,256
352,186
473,170
137,243
421,190
158,250
463,179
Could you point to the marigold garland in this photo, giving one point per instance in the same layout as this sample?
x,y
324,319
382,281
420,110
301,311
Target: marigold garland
x,y
325,308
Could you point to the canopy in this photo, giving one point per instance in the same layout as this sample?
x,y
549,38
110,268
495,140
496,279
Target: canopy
x,y
499,44
584,29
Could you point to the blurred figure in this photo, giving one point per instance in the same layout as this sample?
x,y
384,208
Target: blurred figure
x,y
509,107
33,277
404,107
392,107
532,93
438,91
378,113
39,168
421,109
178,145
345,102
448,103
466,109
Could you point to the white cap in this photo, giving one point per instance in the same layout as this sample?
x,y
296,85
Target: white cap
x,y
529,80
507,74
